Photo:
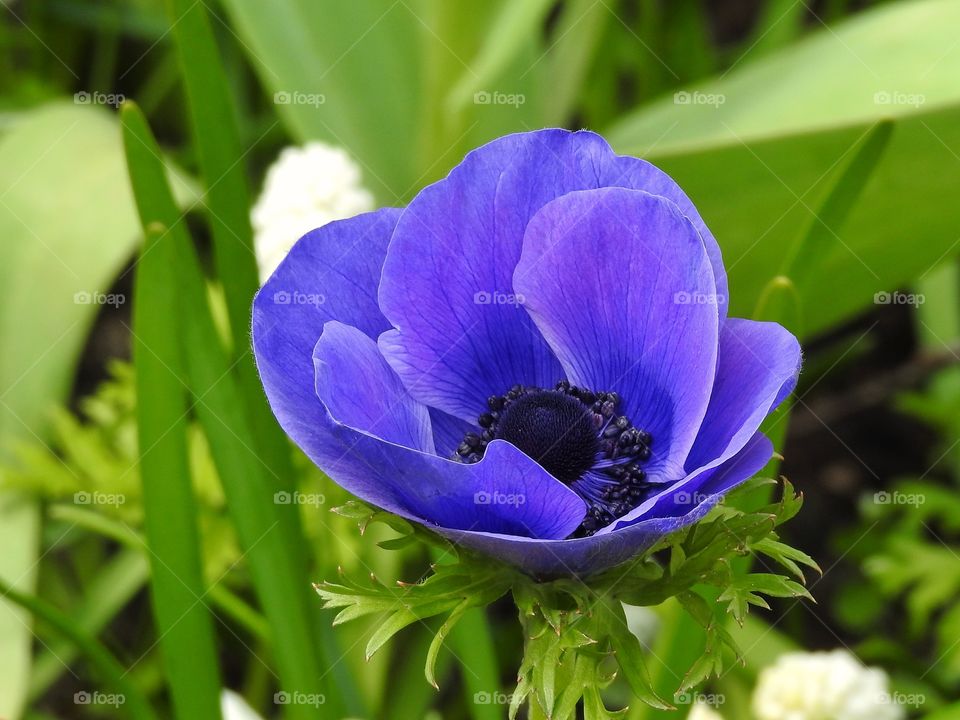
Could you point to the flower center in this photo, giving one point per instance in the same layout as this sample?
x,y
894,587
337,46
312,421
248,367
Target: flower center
x,y
578,437
555,429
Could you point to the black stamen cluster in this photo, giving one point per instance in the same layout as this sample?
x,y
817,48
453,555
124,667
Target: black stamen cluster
x,y
575,434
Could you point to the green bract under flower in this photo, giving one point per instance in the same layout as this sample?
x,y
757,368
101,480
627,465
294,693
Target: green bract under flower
x,y
574,630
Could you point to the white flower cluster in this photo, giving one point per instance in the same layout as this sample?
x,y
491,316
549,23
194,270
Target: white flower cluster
x,y
306,187
701,711
818,686
234,707
829,685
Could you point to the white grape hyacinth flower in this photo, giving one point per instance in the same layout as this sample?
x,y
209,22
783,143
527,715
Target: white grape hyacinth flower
x,y
305,188
702,711
234,707
831,685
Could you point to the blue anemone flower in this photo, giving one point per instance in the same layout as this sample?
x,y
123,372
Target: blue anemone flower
x,y
532,358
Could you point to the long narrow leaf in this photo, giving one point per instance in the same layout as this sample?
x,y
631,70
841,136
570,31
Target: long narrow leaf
x,y
221,160
107,594
222,164
280,581
184,625
134,704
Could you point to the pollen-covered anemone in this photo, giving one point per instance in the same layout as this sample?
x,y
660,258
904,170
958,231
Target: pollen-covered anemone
x,y
532,358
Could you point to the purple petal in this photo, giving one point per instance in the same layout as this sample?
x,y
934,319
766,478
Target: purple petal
x,y
620,285
757,368
505,493
551,163
330,274
586,556
446,287
700,485
361,391
447,281
448,432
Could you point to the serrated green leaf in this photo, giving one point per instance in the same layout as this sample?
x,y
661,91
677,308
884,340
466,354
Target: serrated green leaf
x,y
398,543
775,585
521,693
629,656
789,504
354,509
710,663
400,619
545,670
697,607
437,642
787,556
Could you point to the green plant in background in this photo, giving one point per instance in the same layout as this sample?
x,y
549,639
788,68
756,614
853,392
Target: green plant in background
x,y
912,562
833,147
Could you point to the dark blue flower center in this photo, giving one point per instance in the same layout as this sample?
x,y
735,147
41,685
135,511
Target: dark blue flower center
x,y
578,437
555,429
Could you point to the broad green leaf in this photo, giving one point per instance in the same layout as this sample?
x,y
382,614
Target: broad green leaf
x,y
406,88
759,151
344,73
801,263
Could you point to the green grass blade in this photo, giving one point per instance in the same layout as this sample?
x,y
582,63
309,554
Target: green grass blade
x,y
106,595
515,23
228,201
472,643
780,22
221,158
280,579
135,705
221,597
828,222
184,625
580,28
217,144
